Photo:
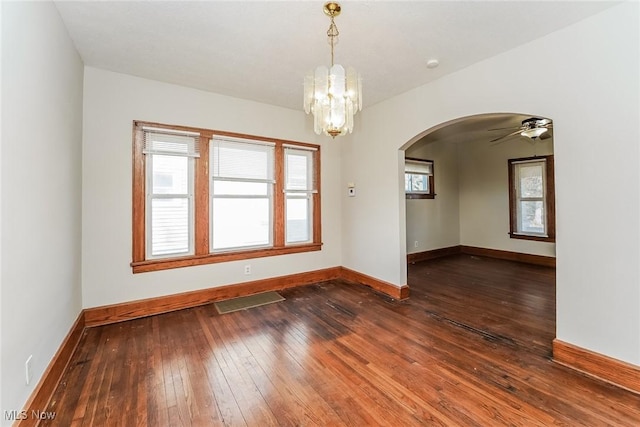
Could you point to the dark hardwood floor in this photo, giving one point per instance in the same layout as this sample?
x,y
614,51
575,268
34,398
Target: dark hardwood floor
x,y
470,347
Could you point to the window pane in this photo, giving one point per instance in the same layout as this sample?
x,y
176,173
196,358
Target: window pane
x,y
241,222
298,219
531,180
170,174
240,188
531,217
169,226
416,183
298,168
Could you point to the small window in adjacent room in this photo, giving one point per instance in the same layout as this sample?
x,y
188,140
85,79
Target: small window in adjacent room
x,y
418,179
532,199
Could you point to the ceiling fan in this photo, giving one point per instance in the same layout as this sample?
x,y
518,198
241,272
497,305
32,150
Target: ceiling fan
x,y
531,128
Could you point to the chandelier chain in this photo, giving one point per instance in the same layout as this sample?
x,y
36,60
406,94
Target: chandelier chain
x,y
332,33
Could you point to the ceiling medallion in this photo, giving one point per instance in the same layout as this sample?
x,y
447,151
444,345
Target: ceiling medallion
x,y
332,95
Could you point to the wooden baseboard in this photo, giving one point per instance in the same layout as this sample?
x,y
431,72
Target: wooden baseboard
x,y
616,372
545,261
147,307
45,388
432,254
379,285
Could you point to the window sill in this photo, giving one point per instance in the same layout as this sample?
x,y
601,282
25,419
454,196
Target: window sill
x,y
191,260
412,196
532,237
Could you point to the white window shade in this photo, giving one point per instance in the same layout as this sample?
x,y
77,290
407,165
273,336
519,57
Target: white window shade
x,y
246,160
418,167
299,173
171,143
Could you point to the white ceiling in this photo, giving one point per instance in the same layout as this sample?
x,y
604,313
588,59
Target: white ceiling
x,y
261,50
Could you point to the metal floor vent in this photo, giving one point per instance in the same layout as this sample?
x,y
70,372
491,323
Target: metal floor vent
x,y
250,301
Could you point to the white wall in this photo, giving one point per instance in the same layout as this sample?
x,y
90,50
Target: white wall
x,y
1,204
588,84
484,194
111,102
435,223
41,189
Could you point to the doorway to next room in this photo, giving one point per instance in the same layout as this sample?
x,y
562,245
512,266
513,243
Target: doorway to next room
x,y
480,226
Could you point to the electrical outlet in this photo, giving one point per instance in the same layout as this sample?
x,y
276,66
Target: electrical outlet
x,y
28,370
415,244
247,269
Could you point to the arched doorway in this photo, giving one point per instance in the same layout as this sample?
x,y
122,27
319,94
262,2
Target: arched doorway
x,y
470,213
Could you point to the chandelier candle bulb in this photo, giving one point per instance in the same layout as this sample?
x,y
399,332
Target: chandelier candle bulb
x,y
332,95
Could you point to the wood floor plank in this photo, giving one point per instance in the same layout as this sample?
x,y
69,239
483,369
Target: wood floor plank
x,y
337,391
470,347
225,400
252,405
290,400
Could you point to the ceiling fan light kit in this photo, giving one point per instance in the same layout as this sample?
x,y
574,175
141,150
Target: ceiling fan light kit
x,y
533,133
332,95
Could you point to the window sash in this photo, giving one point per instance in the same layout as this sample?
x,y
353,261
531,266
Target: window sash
x,y
409,181
525,227
228,234
295,229
158,236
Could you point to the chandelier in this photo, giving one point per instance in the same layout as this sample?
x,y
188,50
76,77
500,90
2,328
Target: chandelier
x,y
332,95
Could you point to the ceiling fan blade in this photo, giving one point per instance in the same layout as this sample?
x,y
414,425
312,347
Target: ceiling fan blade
x,y
510,127
506,136
545,135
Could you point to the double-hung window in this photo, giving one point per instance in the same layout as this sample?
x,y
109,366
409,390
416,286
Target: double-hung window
x,y
242,180
300,187
169,191
418,179
202,196
531,197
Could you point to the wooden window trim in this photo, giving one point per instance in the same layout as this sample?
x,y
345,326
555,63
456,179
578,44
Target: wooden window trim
x,y
202,255
549,199
432,184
